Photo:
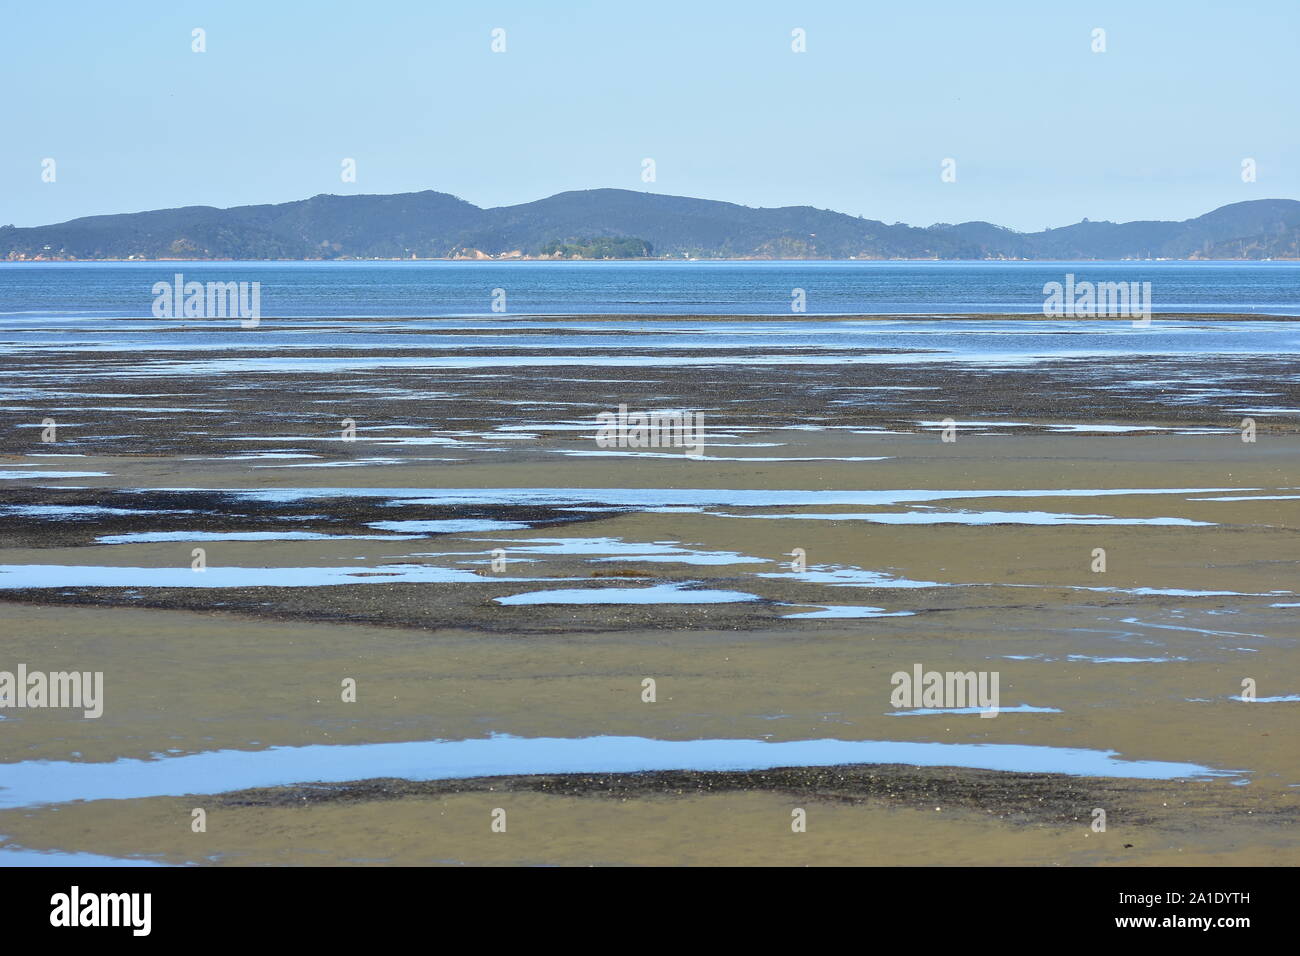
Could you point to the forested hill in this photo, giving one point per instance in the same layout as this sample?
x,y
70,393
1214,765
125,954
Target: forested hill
x,y
618,223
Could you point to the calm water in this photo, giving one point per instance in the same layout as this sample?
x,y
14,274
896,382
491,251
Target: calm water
x,y
29,342
34,782
401,289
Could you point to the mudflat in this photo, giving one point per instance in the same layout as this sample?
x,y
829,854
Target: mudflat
x,y
259,584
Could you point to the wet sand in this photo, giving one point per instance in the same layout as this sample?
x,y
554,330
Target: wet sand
x,y
855,816
993,571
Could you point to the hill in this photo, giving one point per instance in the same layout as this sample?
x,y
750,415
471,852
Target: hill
x,y
619,222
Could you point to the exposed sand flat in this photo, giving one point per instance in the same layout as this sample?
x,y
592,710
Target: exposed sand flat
x,y
875,816
975,555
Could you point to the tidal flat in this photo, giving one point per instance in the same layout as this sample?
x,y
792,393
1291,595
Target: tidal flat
x,y
491,583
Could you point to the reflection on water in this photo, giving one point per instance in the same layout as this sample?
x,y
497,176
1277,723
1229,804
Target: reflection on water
x,y
35,782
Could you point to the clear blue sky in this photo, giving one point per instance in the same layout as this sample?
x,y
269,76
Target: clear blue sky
x,y
1044,131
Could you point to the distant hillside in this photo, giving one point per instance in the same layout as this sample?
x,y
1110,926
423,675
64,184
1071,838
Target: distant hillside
x,y
608,223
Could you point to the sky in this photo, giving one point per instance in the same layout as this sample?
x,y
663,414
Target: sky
x,y
1043,130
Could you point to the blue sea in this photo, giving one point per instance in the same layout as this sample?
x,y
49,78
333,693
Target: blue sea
x,y
440,288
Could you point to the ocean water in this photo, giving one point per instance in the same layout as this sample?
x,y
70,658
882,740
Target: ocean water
x,y
436,288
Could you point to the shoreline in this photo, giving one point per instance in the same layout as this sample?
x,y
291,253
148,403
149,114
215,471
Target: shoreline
x,y
676,259
371,559
505,317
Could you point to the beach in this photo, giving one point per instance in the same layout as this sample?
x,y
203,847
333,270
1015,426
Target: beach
x,y
412,550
